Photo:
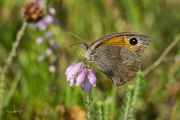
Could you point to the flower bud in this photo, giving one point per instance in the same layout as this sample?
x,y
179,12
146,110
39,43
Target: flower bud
x,y
81,77
91,77
39,40
41,3
72,82
72,72
48,19
52,11
41,58
49,51
52,69
48,34
70,75
87,86
77,68
41,25
68,69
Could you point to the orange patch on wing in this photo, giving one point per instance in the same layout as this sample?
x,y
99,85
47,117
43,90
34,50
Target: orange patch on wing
x,y
121,42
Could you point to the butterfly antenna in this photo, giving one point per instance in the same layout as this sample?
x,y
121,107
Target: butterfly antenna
x,y
76,36
74,44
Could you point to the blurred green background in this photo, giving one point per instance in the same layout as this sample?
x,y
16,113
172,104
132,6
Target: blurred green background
x,y
47,95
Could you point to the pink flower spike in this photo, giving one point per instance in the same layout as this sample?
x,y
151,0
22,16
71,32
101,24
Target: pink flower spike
x,y
81,77
92,78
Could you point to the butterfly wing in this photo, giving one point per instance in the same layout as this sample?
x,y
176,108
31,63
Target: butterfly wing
x,y
116,57
119,64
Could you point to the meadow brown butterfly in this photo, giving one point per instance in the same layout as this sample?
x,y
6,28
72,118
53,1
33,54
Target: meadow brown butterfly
x,y
118,55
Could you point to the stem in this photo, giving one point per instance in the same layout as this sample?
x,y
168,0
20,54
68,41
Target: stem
x,y
88,107
160,59
137,89
11,55
127,108
13,50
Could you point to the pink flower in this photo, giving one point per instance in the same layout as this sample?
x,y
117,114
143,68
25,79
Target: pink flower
x,y
53,44
70,76
72,82
68,69
77,68
39,40
86,86
48,19
52,11
48,34
49,51
78,75
92,78
52,68
81,77
41,25
41,58
73,72
41,3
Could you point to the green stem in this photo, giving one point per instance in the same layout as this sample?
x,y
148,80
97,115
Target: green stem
x,y
88,107
13,50
11,55
128,105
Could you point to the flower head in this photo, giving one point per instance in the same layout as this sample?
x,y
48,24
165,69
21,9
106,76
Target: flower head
x,y
41,25
52,11
52,68
48,34
39,40
41,3
73,70
31,12
92,78
48,19
78,75
86,86
41,58
53,44
49,51
81,77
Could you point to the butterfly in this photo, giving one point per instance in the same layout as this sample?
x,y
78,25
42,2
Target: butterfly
x,y
118,55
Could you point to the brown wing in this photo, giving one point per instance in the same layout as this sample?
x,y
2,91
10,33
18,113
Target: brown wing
x,y
119,64
116,57
122,40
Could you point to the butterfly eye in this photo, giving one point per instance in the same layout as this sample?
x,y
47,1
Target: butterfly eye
x,y
133,41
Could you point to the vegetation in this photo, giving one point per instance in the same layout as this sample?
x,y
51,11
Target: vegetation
x,y
33,78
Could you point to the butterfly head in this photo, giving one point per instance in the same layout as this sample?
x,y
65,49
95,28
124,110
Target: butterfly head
x,y
90,52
